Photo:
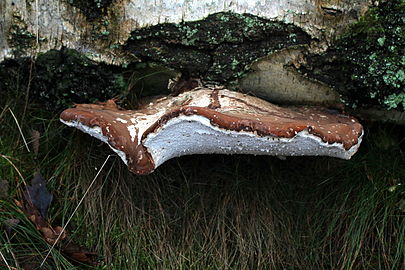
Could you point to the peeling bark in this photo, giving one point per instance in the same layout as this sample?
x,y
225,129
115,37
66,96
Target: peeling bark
x,y
275,78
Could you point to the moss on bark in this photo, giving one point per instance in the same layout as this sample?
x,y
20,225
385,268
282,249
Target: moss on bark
x,y
60,78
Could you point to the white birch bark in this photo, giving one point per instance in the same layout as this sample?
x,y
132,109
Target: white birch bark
x,y
56,23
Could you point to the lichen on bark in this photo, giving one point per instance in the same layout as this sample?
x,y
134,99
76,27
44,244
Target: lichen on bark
x,y
366,65
218,48
20,38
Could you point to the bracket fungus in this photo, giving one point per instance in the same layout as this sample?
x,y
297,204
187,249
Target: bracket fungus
x,y
207,121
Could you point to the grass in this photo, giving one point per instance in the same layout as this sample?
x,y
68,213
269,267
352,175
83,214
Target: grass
x,y
205,212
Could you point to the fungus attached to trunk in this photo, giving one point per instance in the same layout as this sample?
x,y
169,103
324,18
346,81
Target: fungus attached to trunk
x,y
208,121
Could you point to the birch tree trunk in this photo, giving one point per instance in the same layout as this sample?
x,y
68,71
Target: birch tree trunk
x,y
94,26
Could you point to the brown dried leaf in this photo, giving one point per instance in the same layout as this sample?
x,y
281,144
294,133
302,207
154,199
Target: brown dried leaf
x,y
80,254
51,234
36,196
20,204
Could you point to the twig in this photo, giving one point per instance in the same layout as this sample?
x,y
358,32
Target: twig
x,y
74,211
19,128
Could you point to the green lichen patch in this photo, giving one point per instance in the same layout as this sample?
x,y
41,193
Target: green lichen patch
x,y
218,48
367,63
395,100
59,78
92,9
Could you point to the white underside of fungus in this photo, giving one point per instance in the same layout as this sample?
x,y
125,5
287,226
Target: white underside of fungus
x,y
97,133
188,135
207,121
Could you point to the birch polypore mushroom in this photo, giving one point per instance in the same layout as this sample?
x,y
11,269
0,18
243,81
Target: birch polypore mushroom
x,y
207,121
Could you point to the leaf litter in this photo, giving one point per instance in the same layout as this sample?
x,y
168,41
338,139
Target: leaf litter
x,y
36,203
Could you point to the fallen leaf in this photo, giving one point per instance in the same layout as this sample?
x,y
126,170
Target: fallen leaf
x,y
39,196
79,253
20,204
37,200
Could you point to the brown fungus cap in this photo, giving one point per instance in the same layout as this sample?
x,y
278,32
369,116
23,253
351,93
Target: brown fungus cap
x,y
126,131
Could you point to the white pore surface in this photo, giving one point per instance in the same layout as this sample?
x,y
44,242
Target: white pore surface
x,y
95,132
187,135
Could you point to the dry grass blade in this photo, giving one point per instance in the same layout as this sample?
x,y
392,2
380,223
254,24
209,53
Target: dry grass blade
x,y
19,129
74,211
5,261
15,167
